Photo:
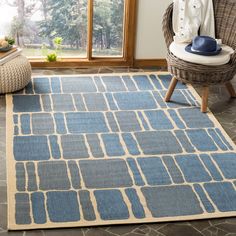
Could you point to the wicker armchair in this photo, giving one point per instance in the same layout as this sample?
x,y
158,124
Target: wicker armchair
x,y
225,23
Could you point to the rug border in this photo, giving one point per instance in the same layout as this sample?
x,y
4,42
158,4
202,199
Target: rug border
x,y
12,185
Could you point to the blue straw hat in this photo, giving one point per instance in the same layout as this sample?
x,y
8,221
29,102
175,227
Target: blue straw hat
x,y
204,45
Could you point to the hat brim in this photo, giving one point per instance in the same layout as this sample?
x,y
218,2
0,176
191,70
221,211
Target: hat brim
x,y
189,49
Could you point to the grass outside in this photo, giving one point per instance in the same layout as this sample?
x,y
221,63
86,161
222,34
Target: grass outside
x,y
34,52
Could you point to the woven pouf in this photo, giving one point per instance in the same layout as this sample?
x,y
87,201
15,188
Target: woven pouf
x,y
15,75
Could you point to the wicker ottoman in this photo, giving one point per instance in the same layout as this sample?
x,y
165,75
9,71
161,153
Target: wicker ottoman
x,y
15,74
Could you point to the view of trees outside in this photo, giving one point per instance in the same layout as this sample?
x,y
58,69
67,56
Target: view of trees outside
x,y
35,23
108,27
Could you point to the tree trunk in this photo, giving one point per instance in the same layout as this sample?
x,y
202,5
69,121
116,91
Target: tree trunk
x,y
21,20
108,37
77,44
101,39
45,11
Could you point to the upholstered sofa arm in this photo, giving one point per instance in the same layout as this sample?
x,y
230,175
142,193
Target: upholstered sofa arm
x,y
167,25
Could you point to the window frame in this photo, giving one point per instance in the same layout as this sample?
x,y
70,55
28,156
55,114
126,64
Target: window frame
x,y
128,44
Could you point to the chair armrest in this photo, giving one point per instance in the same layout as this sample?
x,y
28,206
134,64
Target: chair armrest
x,y
167,27
233,57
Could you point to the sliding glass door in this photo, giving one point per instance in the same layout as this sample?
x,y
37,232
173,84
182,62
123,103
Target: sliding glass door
x,y
76,29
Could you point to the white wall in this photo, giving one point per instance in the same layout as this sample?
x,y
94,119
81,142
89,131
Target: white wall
x,y
150,41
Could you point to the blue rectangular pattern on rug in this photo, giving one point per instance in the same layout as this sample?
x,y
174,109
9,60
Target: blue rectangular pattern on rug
x,y
99,150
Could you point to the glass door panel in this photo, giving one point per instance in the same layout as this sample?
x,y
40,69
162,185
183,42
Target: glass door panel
x,y
108,28
35,24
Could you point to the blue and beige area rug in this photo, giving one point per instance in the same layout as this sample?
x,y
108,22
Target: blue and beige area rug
x,y
106,149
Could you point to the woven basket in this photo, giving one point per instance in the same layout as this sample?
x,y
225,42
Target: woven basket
x,y
15,75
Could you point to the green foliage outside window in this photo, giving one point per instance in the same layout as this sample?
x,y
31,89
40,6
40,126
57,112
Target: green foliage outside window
x,y
66,19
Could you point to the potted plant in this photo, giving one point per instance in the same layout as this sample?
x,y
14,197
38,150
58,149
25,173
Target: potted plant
x,y
6,44
53,56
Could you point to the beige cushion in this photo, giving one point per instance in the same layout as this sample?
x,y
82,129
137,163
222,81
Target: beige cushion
x,y
223,58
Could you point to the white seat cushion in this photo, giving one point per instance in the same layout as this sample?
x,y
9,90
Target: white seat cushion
x,y
178,49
